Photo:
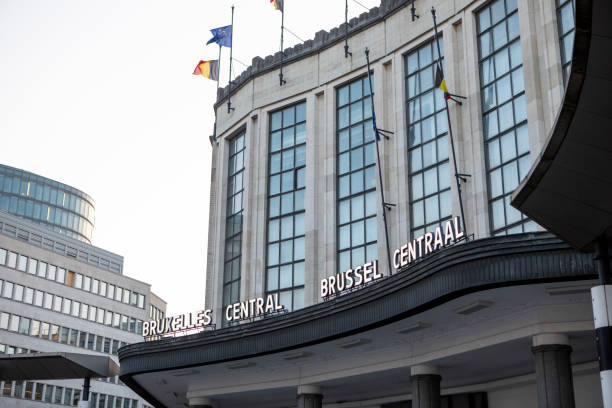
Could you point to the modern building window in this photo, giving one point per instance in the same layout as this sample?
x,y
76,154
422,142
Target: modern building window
x,y
356,163
7,290
566,22
58,395
233,220
504,113
428,140
286,213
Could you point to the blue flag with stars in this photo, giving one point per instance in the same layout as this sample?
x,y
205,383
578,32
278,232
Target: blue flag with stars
x,y
222,36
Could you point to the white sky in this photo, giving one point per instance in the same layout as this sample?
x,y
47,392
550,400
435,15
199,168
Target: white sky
x,y
99,95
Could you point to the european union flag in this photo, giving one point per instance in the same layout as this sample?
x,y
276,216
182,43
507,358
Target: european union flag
x,y
222,36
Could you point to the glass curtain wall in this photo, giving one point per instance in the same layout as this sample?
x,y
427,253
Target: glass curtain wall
x,y
504,113
567,25
430,195
233,222
57,206
286,213
356,187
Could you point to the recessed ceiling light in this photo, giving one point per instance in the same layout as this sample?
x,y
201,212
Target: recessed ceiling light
x,y
184,373
241,365
569,290
413,327
473,307
295,356
354,343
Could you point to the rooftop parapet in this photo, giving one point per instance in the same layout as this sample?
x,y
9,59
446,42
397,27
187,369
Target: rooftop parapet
x,y
322,40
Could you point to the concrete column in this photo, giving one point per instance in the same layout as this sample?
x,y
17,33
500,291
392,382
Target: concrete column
x,y
425,386
309,396
201,402
553,371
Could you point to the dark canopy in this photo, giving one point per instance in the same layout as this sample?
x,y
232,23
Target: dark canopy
x,y
569,188
56,366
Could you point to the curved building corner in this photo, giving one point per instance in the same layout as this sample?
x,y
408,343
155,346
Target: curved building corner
x,y
54,205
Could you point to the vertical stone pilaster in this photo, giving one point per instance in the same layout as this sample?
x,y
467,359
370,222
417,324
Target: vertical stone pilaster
x,y
553,371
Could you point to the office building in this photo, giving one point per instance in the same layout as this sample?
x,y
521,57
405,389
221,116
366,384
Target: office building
x,y
501,317
60,294
55,205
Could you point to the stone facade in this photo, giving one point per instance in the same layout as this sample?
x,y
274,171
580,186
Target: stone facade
x,y
314,70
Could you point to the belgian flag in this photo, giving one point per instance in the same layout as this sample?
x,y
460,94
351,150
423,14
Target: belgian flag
x,y
208,69
278,4
441,83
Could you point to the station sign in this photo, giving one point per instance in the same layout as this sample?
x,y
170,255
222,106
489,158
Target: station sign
x,y
173,324
248,309
414,250
354,278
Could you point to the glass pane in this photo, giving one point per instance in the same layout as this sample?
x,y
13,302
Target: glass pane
x,y
499,36
416,183
272,280
504,89
502,65
356,135
510,177
298,273
508,147
497,11
343,117
431,181
429,154
286,276
343,140
344,211
356,112
275,121
288,117
506,117
357,207
298,249
444,176
495,178
498,213
431,209
446,204
343,96
418,217
370,203
494,154
357,233
414,135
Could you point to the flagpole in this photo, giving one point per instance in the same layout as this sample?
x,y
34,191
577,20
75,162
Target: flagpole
x,y
219,68
280,76
382,189
229,85
450,128
346,46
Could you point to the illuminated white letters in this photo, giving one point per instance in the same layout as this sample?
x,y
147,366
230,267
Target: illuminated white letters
x,y
178,323
252,308
349,279
425,244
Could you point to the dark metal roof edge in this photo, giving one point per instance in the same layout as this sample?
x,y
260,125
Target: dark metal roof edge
x,y
513,249
565,116
450,256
